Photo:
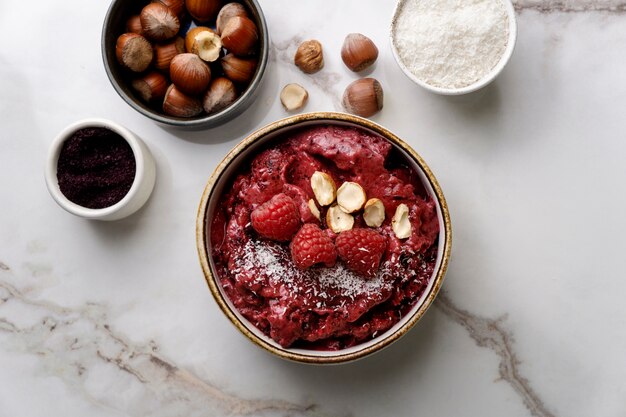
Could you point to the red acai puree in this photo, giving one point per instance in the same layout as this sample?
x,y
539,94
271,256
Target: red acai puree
x,y
323,308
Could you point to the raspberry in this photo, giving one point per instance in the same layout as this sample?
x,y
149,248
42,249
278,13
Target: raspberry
x,y
312,246
277,219
361,250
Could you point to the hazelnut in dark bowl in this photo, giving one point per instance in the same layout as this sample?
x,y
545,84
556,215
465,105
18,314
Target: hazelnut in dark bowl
x,y
194,63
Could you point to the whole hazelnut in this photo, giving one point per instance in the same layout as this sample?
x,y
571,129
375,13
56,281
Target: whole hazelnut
x,y
177,103
165,52
159,22
190,74
309,57
133,25
134,52
203,10
151,87
229,10
358,52
239,70
177,6
240,36
363,97
221,94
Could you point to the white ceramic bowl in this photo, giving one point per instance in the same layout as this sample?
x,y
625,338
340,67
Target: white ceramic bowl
x,y
222,178
484,81
140,190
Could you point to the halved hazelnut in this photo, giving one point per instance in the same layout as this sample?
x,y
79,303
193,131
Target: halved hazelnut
x,y
221,94
240,36
400,222
134,52
239,70
204,42
229,10
190,74
374,212
151,87
293,97
338,220
324,188
159,22
164,53
351,197
177,103
314,210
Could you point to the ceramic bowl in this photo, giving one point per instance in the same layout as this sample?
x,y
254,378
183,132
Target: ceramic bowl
x,y
140,190
484,81
223,176
114,25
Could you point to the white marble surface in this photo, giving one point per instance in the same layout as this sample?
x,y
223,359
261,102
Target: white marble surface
x,y
114,319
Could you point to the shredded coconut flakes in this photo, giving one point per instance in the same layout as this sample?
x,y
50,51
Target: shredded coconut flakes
x,y
451,43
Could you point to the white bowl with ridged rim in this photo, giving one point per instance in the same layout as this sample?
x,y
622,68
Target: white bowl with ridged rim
x,y
482,82
140,190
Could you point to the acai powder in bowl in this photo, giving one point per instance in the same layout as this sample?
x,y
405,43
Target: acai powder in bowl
x,y
453,46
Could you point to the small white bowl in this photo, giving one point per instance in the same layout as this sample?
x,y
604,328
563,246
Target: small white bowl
x,y
484,81
140,190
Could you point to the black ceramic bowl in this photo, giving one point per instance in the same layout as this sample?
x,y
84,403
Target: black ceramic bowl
x,y
115,24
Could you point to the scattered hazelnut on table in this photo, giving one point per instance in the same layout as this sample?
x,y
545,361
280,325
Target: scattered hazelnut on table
x,y
204,42
134,52
309,57
293,97
363,97
358,52
159,22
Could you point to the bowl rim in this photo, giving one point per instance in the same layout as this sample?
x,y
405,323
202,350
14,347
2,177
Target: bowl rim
x,y
208,120
482,82
53,157
203,249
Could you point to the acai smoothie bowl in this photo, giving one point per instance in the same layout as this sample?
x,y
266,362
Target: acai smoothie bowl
x,y
323,237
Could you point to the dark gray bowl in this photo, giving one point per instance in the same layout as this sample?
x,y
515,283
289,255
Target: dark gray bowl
x,y
114,25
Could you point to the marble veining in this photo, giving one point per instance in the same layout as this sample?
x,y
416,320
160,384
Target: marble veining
x,y
325,82
571,6
114,320
491,334
74,343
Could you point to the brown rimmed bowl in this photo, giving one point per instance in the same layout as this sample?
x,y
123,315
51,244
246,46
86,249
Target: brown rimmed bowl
x,y
230,166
